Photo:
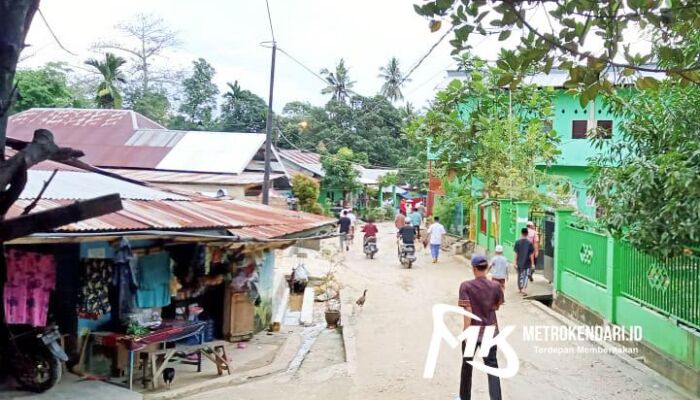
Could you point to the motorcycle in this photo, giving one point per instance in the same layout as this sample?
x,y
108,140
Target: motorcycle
x,y
36,358
407,254
370,247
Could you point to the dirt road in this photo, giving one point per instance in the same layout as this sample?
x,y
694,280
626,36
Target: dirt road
x,y
393,331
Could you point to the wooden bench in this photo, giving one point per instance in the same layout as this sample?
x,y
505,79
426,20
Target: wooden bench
x,y
157,360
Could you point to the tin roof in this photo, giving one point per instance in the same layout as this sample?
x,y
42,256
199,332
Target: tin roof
x,y
312,162
126,139
149,208
304,159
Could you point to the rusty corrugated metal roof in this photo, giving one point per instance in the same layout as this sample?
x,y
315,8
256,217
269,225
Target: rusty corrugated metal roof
x,y
126,139
149,208
245,219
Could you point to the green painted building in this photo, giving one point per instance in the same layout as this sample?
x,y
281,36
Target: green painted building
x,y
572,122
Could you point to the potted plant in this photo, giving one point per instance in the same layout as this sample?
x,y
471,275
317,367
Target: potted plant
x,y
328,289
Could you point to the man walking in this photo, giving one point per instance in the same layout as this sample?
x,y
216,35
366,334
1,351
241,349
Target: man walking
x,y
435,233
481,297
534,238
524,259
344,224
416,220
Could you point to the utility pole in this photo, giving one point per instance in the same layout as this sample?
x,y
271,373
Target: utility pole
x,y
268,133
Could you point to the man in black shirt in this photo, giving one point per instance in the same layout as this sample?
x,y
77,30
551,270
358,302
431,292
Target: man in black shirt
x,y
407,233
524,259
344,224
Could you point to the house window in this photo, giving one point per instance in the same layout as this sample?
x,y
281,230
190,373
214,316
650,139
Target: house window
x,y
482,220
604,129
579,129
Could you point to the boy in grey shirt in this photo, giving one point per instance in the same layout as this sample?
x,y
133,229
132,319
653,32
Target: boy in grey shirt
x,y
499,267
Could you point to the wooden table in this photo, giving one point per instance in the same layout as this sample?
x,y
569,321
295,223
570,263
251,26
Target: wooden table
x,y
213,351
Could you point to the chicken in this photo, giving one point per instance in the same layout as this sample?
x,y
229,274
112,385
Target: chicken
x,y
168,376
361,301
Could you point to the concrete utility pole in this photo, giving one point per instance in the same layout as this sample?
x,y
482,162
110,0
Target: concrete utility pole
x,y
268,134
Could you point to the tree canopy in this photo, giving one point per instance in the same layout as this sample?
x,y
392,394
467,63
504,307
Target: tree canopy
x,y
370,125
242,111
339,83
108,91
647,183
46,86
340,170
479,130
585,38
394,80
199,97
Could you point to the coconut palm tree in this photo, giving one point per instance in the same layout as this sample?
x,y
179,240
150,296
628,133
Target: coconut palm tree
x,y
108,95
339,83
393,80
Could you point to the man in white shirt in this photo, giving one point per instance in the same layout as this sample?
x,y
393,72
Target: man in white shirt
x,y
435,233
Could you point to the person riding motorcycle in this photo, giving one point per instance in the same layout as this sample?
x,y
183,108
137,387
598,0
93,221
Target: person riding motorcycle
x,y
407,234
370,230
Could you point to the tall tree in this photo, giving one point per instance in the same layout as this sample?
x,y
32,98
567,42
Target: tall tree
x,y
569,36
393,80
339,83
44,87
152,104
146,38
474,132
108,94
200,93
340,170
242,110
647,184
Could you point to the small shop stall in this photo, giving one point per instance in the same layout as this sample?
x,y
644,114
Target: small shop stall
x,y
132,307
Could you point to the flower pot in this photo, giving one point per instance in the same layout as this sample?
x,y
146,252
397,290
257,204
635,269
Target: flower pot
x,y
332,318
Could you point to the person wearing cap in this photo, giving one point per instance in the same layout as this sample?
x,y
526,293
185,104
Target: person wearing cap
x,y
499,267
534,238
524,259
481,297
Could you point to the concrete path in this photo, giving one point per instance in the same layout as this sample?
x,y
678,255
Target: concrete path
x,y
392,333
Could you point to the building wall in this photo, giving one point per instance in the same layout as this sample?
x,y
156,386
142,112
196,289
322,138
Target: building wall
x,y
576,152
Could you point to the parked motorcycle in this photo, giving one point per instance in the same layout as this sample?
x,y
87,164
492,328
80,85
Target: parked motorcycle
x,y
33,356
370,247
407,254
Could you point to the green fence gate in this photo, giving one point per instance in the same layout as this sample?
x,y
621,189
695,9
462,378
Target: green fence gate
x,y
669,286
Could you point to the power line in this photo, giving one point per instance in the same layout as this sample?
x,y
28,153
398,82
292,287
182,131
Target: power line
x,y
430,51
43,18
269,18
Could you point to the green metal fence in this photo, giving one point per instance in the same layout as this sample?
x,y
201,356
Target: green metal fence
x,y
584,254
508,224
669,286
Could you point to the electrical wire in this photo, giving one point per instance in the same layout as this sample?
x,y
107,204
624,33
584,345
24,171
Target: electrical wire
x,y
55,37
269,18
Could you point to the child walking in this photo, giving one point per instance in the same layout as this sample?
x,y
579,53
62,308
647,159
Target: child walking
x,y
499,267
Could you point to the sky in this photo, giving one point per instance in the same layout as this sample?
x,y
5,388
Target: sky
x,y
228,34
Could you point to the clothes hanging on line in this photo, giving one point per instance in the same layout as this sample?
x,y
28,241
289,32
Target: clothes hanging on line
x,y
30,279
153,280
96,275
124,279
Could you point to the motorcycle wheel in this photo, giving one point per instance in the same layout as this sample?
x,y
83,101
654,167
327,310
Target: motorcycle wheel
x,y
371,256
410,263
37,371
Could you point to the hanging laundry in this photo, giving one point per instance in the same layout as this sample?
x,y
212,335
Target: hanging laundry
x,y
30,279
153,280
124,279
94,293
